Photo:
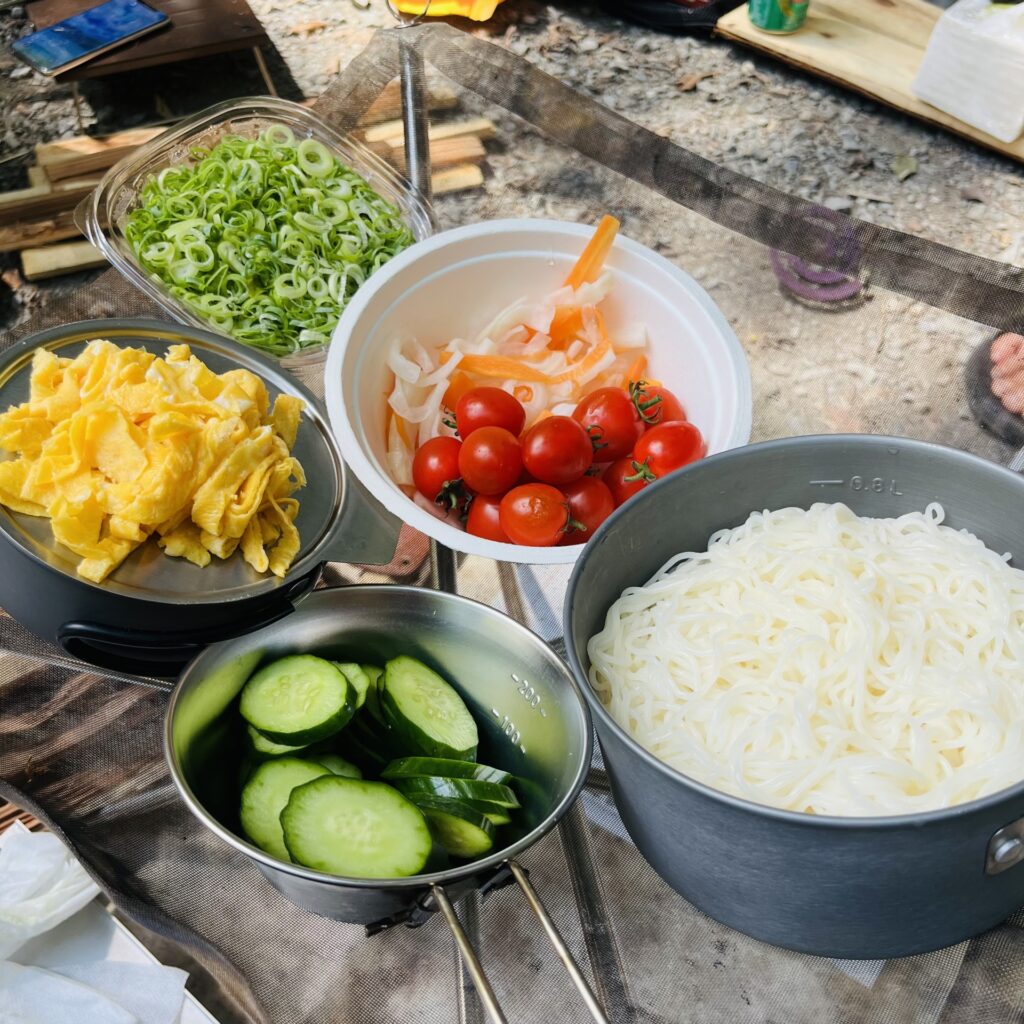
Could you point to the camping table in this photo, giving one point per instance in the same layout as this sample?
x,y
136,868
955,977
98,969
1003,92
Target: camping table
x,y
198,28
83,746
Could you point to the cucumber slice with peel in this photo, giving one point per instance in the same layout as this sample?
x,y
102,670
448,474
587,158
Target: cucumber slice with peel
x,y
427,712
458,789
460,836
265,795
357,677
415,767
264,748
355,829
338,765
469,809
297,700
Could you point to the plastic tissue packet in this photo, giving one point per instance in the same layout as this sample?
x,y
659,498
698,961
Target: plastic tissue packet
x,y
974,66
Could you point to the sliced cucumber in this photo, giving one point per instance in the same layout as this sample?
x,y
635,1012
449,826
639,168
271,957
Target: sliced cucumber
x,y
458,789
357,677
414,767
373,673
264,748
376,677
460,836
338,765
354,828
298,700
463,808
265,795
426,711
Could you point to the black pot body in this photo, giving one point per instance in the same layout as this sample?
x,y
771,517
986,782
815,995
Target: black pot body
x,y
844,887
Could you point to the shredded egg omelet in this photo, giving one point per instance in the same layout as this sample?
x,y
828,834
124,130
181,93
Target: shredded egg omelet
x,y
118,445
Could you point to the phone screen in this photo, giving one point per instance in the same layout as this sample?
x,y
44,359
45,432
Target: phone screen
x,y
70,40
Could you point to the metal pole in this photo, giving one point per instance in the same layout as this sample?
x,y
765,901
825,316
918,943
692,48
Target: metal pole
x,y
476,972
563,951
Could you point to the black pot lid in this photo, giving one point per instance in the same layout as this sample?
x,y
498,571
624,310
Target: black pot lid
x,y
148,573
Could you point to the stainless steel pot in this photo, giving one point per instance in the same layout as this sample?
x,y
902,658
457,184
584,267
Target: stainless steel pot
x,y
845,887
532,718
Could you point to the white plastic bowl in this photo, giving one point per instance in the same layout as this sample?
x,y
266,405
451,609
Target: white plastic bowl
x,y
452,284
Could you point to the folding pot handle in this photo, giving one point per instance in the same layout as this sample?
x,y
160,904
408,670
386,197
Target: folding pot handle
x,y
476,971
365,532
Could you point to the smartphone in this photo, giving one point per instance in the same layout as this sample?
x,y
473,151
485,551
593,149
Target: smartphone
x,y
83,36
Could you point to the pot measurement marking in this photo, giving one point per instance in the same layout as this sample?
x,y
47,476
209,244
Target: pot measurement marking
x,y
508,727
878,484
529,694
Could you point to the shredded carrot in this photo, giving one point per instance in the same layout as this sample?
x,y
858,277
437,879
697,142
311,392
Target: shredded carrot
x,y
636,371
503,367
588,266
523,392
404,431
458,384
567,323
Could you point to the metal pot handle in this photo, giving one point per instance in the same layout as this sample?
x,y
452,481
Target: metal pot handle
x,y
476,971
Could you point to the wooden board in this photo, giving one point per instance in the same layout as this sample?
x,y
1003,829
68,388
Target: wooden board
x,y
198,28
54,260
873,46
456,179
58,228
83,155
39,203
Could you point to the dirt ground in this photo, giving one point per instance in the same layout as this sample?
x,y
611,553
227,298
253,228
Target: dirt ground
x,y
745,112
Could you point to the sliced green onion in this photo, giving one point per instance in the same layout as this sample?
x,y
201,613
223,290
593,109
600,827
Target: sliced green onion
x,y
265,238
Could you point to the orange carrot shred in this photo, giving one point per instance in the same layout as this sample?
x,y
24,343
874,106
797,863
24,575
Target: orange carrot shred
x,y
636,371
523,392
458,384
588,266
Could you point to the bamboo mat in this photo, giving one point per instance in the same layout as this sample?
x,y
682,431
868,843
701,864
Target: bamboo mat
x,y
872,46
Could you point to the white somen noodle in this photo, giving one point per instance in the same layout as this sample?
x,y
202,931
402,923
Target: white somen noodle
x,y
817,661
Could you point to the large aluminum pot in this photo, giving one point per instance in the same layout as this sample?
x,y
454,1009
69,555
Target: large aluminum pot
x,y
844,887
532,718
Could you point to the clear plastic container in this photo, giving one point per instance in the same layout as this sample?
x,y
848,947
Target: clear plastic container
x,y
119,191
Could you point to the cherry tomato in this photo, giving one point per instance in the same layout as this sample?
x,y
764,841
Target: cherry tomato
x,y
655,404
557,450
624,478
489,407
435,464
590,504
483,520
535,515
611,419
490,460
670,446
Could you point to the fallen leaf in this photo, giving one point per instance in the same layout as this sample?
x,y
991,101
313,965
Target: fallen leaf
x,y
12,279
333,65
973,194
307,28
689,82
903,166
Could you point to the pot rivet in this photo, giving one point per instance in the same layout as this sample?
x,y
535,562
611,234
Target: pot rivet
x,y
1006,848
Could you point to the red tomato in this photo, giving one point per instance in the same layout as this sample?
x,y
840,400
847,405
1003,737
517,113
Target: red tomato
x,y
489,407
611,419
590,504
670,446
483,519
490,460
655,404
535,515
624,478
557,450
435,464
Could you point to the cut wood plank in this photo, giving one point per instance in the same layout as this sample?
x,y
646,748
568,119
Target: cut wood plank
x,y
54,260
457,179
37,176
388,104
40,232
393,133
83,155
873,46
446,153
39,203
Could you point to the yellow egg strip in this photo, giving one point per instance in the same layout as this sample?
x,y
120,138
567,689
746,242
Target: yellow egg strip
x,y
119,445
